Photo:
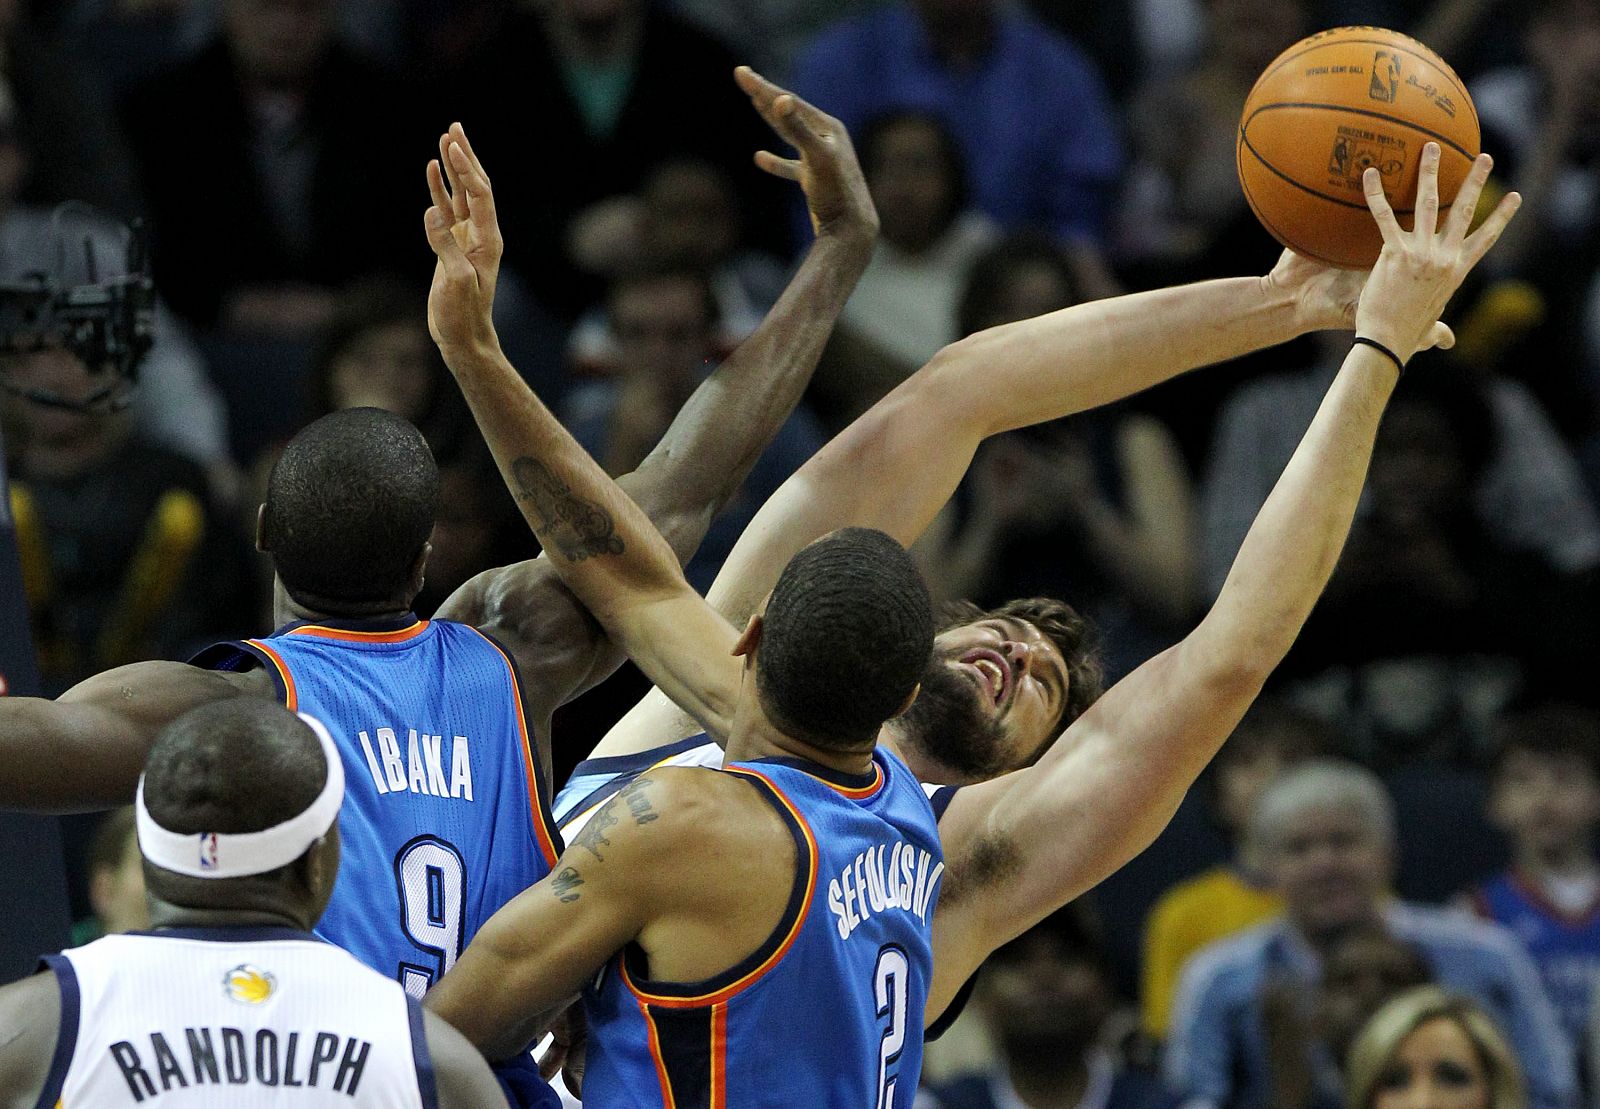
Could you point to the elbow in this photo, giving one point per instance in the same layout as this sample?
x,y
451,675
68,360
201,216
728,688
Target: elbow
x,y
1232,667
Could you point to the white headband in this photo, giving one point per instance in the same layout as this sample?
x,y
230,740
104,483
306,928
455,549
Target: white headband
x,y
241,854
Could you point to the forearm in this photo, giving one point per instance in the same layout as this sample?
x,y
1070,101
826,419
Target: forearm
x,y
480,999
1091,354
731,418
604,547
1292,548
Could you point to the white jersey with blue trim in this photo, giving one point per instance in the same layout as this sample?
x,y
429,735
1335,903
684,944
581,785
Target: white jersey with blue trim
x,y
595,781
246,1017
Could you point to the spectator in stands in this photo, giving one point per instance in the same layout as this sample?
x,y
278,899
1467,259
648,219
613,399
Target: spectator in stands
x,y
1027,106
1429,1047
686,216
1306,1043
1542,117
1272,737
1105,494
1182,204
257,157
1362,971
116,881
904,307
663,323
770,33
176,404
1327,833
64,111
124,552
376,352
1545,796
621,86
1048,1000
1471,587
1430,599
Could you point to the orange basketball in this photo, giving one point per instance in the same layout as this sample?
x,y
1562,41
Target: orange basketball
x,y
1332,105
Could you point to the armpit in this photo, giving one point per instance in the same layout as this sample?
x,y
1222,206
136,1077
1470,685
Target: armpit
x,y
991,858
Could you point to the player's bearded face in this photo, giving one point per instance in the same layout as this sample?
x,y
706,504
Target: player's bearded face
x,y
953,723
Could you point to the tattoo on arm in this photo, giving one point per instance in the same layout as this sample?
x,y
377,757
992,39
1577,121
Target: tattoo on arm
x,y
638,802
580,529
564,885
593,835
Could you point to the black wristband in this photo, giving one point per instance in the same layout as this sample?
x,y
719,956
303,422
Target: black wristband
x,y
1383,350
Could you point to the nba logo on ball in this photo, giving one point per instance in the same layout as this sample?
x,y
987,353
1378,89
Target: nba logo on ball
x,y
1385,83
208,850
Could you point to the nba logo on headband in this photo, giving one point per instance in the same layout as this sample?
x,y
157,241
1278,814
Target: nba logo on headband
x,y
208,850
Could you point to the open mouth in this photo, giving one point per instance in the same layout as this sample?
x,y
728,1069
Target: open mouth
x,y
993,671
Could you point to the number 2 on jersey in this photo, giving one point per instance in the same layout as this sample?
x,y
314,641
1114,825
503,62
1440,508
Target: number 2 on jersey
x,y
889,991
432,880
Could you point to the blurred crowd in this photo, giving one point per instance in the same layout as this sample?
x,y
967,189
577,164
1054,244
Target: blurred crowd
x,y
1390,873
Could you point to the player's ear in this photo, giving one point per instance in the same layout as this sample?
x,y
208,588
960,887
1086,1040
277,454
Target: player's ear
x,y
321,869
419,572
911,699
750,638
261,527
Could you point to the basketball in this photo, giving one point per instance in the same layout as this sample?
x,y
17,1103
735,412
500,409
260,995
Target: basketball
x,y
1326,109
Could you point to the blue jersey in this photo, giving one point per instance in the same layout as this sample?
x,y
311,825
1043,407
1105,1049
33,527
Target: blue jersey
x,y
1565,948
829,1011
444,817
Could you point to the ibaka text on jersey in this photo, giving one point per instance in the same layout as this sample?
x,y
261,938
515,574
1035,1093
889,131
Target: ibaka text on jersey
x,y
421,768
883,877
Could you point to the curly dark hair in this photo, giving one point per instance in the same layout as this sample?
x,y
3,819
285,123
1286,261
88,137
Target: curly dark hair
x,y
846,636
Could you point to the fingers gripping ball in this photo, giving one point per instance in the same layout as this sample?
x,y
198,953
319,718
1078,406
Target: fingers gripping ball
x,y
1329,107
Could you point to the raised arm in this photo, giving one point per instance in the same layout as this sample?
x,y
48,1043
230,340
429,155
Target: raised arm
x,y
603,546
1023,845
85,750
710,447
896,466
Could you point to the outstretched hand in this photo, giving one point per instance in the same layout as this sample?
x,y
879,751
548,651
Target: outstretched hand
x,y
465,236
1419,270
827,169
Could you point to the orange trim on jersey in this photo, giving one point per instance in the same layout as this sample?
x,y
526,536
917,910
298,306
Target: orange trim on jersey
x,y
719,997
291,696
857,794
719,1056
541,831
320,632
653,1038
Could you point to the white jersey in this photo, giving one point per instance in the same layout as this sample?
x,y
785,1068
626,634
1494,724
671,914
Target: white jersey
x,y
246,1017
596,781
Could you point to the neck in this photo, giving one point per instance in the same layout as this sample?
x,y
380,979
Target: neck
x,y
610,41
1053,1080
71,456
166,915
753,736
1570,860
1323,940
287,610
